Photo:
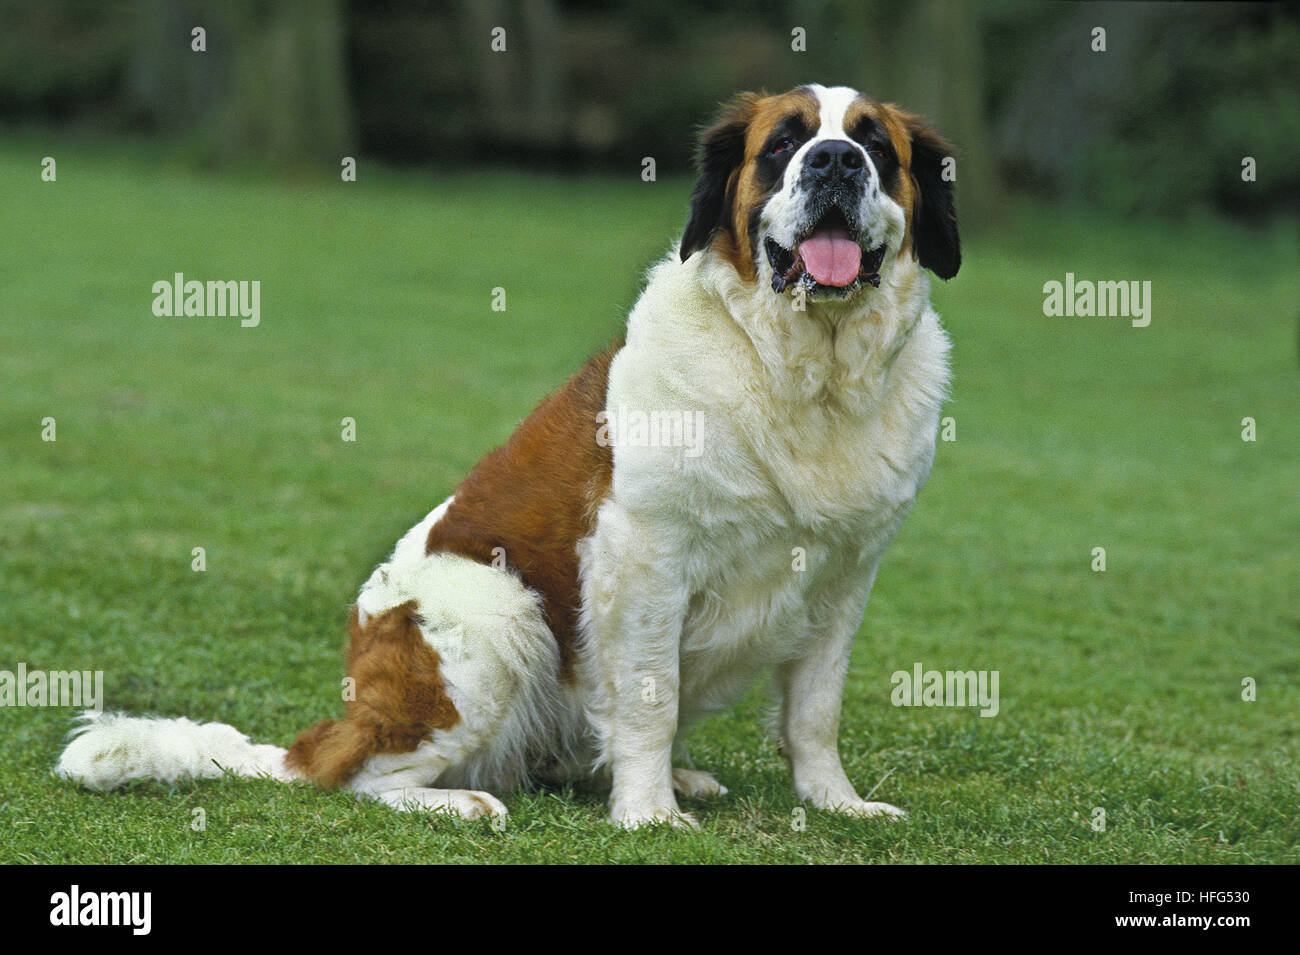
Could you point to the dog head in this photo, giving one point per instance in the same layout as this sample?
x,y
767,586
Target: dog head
x,y
824,189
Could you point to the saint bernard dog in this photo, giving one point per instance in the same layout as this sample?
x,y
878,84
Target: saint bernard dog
x,y
599,583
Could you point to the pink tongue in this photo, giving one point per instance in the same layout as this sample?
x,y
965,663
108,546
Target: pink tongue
x,y
831,257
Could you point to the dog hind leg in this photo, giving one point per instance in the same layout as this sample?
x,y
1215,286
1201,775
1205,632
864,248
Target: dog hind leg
x,y
456,681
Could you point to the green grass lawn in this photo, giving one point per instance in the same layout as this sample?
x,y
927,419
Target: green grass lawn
x,y
1120,690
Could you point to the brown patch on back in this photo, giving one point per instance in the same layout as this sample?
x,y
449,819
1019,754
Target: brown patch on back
x,y
744,191
400,699
537,496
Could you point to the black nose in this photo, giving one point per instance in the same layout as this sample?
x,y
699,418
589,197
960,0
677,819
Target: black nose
x,y
835,159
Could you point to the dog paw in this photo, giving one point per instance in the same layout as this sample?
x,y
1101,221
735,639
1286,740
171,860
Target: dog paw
x,y
639,818
864,809
466,803
695,782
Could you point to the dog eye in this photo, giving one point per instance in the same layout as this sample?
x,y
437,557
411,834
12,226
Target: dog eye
x,y
783,145
875,149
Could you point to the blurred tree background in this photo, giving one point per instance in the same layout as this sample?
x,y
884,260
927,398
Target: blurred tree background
x,y
587,86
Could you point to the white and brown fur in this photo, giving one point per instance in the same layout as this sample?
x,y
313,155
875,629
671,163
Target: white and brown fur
x,y
578,603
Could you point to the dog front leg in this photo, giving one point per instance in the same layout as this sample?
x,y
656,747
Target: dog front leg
x,y
636,602
644,724
812,689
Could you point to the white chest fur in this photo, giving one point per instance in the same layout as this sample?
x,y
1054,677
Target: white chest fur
x,y
812,437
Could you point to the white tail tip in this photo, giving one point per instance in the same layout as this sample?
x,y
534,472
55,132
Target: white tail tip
x,y
110,750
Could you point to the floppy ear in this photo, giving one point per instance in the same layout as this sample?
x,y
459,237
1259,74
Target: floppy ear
x,y
934,223
720,152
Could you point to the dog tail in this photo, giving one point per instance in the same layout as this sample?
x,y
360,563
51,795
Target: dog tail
x,y
110,750
330,752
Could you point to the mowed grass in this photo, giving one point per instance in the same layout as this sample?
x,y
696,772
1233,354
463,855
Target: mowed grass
x,y
1120,690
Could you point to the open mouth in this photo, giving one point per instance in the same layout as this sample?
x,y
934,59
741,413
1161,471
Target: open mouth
x,y
826,258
